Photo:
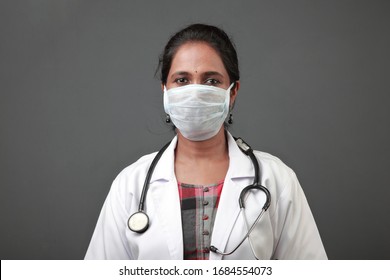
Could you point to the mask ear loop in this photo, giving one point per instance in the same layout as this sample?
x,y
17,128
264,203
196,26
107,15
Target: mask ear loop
x,y
231,106
165,100
166,107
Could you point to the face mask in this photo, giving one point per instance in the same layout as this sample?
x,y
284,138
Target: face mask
x,y
198,111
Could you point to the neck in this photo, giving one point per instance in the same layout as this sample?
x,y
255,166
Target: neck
x,y
214,148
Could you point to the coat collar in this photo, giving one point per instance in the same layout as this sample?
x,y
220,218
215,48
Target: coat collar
x,y
165,168
240,165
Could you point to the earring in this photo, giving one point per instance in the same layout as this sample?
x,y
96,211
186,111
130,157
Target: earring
x,y
230,120
168,119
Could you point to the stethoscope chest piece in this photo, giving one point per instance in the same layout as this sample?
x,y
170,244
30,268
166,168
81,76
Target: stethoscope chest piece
x,y
138,222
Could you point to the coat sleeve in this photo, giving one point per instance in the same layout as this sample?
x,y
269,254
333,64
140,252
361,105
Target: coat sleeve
x,y
296,231
109,238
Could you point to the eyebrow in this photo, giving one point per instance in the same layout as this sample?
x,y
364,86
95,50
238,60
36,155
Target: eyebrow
x,y
212,73
180,73
208,73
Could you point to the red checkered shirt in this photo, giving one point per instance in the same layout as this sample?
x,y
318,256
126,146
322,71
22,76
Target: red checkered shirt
x,y
199,206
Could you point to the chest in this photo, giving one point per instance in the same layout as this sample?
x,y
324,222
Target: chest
x,y
201,172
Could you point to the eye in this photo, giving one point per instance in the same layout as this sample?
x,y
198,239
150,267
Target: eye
x,y
181,81
212,82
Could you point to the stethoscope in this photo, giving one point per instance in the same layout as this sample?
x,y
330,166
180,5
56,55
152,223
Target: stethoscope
x,y
139,221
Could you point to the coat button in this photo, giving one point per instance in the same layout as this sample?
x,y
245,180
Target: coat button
x,y
205,217
205,232
206,189
205,202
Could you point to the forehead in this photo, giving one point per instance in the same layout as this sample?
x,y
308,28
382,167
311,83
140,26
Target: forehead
x,y
197,56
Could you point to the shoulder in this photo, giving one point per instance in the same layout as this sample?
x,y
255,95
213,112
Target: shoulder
x,y
132,177
140,166
271,163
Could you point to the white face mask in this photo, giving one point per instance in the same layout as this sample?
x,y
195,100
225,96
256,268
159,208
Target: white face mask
x,y
198,111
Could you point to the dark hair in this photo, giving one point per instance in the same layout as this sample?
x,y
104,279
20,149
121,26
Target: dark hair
x,y
211,35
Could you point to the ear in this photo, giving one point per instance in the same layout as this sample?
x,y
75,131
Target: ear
x,y
233,93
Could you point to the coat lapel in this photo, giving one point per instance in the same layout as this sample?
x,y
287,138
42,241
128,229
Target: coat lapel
x,y
164,192
167,204
239,173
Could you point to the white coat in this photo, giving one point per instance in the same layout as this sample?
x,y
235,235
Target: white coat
x,y
286,231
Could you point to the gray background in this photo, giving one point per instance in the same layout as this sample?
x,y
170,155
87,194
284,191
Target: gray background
x,y
79,102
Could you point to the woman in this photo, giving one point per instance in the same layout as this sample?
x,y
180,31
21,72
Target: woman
x,y
192,197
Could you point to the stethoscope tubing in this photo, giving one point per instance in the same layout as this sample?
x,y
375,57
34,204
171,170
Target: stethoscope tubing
x,y
139,221
216,250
